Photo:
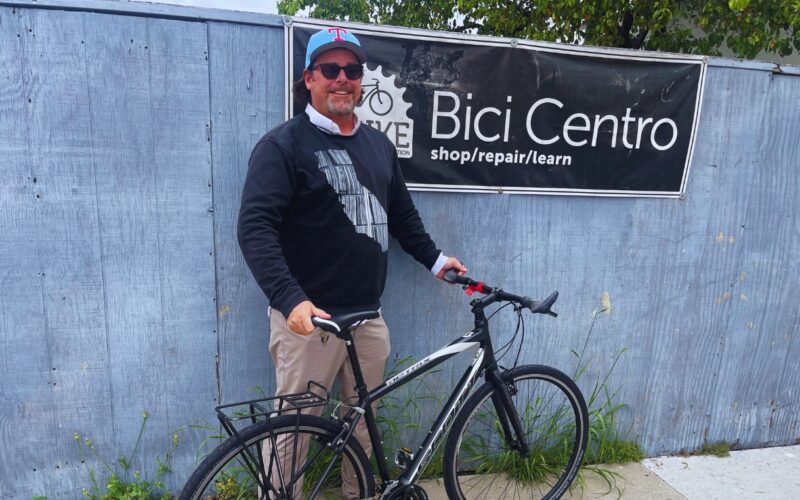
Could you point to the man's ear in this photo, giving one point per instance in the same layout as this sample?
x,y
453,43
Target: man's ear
x,y
307,78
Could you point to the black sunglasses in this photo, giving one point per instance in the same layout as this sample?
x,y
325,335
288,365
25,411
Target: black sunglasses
x,y
331,70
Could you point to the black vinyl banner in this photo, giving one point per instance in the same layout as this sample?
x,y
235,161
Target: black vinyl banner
x,y
487,114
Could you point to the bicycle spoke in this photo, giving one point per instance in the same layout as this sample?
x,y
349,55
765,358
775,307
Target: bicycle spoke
x,y
483,455
230,471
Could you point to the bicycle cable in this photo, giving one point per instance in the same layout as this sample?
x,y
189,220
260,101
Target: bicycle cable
x,y
492,315
502,351
521,340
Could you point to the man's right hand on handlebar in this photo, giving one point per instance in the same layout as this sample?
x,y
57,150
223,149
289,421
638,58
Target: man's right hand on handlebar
x,y
299,320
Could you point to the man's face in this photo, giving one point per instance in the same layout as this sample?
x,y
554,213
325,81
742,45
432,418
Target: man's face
x,y
337,97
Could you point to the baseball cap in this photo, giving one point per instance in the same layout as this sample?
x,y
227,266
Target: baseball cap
x,y
333,38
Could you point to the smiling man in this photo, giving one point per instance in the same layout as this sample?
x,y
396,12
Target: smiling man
x,y
322,195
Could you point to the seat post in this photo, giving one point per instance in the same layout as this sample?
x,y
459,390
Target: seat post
x,y
361,386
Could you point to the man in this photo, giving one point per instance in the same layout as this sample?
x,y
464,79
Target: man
x,y
322,194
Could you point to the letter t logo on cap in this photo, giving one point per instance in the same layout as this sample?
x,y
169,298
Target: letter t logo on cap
x,y
339,31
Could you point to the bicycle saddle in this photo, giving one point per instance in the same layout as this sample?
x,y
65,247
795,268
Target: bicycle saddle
x,y
341,322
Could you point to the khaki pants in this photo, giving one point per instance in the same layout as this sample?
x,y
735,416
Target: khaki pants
x,y
299,359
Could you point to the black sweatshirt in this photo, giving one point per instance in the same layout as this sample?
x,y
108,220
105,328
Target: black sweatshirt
x,y
316,213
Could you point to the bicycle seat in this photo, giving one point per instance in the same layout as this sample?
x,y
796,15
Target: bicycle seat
x,y
341,322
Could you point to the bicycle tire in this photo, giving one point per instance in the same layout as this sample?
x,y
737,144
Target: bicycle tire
x,y
479,464
225,463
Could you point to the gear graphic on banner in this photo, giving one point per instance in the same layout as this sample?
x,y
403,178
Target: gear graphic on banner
x,y
384,108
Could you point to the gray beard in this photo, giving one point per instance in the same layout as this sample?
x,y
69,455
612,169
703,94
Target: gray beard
x,y
340,109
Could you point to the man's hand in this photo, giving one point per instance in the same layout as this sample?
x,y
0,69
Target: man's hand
x,y
299,320
451,263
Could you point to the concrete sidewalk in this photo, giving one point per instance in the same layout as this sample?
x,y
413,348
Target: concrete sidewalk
x,y
632,481
768,473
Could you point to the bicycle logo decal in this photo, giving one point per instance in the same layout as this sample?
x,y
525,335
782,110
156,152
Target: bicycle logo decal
x,y
383,107
379,101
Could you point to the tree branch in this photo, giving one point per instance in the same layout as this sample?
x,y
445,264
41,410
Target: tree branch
x,y
625,29
640,38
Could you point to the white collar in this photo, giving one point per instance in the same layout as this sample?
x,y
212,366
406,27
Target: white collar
x,y
326,124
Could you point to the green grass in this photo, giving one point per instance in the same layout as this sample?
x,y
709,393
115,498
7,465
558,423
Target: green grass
x,y
719,449
607,443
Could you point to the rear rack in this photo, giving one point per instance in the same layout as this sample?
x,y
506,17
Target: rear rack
x,y
256,410
262,410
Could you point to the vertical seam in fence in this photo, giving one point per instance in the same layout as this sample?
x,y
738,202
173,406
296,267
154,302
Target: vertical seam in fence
x,y
218,332
160,235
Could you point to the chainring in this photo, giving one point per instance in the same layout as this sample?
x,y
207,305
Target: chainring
x,y
408,492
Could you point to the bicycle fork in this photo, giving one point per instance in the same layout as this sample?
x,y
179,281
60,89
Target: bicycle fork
x,y
507,413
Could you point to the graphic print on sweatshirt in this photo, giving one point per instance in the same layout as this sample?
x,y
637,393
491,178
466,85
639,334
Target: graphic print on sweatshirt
x,y
360,205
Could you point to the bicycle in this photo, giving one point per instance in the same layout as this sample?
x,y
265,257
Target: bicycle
x,y
531,415
379,101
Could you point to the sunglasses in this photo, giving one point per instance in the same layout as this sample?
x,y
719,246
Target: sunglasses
x,y
331,70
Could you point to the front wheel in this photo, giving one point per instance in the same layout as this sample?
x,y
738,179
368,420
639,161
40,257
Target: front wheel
x,y
284,457
478,462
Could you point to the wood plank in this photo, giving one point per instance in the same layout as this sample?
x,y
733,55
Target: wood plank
x,y
762,318
50,257
693,332
246,101
148,85
159,10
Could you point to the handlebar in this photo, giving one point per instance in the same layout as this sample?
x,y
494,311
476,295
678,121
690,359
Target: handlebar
x,y
495,294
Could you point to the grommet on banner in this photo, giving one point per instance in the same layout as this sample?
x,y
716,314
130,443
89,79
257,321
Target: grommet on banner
x,y
514,43
287,20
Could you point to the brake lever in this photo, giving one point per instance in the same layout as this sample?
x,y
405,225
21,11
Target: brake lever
x,y
544,306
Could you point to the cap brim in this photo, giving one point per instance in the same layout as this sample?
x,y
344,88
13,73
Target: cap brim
x,y
360,54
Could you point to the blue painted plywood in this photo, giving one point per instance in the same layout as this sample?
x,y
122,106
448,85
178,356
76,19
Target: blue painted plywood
x,y
762,320
149,90
56,379
108,241
246,101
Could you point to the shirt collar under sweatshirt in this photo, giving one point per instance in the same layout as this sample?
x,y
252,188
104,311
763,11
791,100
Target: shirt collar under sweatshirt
x,y
326,124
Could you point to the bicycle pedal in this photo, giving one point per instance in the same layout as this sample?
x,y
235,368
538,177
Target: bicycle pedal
x,y
404,457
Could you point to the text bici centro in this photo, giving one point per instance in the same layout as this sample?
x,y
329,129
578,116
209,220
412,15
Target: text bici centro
x,y
574,132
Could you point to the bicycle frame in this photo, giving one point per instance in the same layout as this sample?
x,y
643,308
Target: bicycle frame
x,y
484,360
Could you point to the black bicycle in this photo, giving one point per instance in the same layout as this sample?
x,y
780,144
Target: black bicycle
x,y
522,433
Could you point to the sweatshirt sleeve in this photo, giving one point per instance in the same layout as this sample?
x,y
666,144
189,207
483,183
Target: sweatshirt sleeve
x,y
405,224
268,190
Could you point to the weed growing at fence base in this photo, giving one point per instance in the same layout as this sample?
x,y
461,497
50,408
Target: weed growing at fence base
x,y
122,483
720,449
607,444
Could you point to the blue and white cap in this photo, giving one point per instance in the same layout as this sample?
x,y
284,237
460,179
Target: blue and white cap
x,y
333,38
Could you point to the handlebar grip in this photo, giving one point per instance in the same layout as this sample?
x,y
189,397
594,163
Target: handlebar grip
x,y
544,306
528,302
452,276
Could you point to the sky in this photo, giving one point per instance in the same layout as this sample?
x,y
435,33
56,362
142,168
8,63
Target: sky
x,y
263,6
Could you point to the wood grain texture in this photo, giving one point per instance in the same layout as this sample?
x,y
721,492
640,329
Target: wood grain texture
x,y
107,252
150,113
56,381
246,100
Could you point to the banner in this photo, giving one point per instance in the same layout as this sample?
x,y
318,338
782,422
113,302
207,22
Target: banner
x,y
485,114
